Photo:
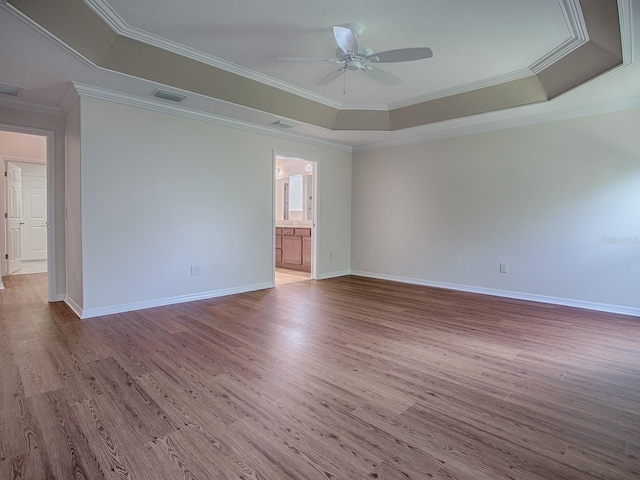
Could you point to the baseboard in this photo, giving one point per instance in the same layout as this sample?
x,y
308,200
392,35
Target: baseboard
x,y
567,302
77,309
324,276
128,307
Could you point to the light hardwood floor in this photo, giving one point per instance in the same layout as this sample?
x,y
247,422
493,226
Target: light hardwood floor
x,y
347,378
285,276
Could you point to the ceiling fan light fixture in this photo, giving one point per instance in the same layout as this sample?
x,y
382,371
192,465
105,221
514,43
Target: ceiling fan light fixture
x,y
356,28
365,50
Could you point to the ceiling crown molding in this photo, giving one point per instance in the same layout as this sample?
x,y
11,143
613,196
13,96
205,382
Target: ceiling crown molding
x,y
98,93
98,41
571,11
45,33
111,18
505,124
31,107
68,99
578,35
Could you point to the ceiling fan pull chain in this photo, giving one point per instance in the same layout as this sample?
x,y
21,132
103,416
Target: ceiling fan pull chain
x,y
344,85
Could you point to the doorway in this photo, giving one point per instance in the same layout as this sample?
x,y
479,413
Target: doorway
x,y
295,186
25,239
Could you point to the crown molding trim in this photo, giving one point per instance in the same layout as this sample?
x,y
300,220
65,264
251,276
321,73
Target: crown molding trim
x,y
525,120
45,33
31,107
68,99
156,106
571,11
626,30
116,23
468,87
578,35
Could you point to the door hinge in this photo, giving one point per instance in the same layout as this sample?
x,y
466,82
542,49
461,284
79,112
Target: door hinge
x,y
6,256
5,173
5,215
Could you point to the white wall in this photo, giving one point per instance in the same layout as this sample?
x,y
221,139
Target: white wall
x,y
559,202
21,146
160,193
11,118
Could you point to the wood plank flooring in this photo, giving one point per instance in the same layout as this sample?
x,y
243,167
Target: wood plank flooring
x,y
348,378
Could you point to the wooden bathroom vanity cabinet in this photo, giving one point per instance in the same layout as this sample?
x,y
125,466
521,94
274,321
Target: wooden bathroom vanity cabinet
x,y
293,248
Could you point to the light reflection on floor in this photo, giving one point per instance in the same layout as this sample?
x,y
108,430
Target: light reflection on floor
x,y
284,276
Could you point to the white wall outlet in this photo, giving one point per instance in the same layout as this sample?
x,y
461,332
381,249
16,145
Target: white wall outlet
x,y
504,268
195,269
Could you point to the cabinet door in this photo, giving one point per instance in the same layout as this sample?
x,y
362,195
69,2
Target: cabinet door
x,y
292,250
306,250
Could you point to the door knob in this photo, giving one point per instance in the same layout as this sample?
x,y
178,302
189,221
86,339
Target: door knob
x,y
21,223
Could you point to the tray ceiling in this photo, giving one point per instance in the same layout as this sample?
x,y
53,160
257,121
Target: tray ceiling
x,y
489,55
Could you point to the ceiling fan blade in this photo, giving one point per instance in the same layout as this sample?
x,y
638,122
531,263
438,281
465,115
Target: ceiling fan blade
x,y
401,55
345,39
306,59
382,76
332,76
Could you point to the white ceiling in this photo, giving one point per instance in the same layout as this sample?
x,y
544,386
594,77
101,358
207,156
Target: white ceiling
x,y
473,43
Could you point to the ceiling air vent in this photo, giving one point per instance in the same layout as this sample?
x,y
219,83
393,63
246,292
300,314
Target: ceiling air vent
x,y
9,90
281,124
173,97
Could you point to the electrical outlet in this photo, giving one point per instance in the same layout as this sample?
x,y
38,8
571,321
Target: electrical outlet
x,y
195,269
504,267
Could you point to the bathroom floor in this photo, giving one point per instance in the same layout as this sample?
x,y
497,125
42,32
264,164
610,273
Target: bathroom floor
x,y
284,276
32,266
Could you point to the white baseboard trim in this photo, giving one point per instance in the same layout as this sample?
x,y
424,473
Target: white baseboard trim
x,y
77,309
567,302
324,276
128,307
60,297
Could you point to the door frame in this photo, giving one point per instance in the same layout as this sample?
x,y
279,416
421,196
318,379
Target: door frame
x,y
316,226
51,217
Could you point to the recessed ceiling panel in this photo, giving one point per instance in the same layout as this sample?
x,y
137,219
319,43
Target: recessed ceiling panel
x,y
472,42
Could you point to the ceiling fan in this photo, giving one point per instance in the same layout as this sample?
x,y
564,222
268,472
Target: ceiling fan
x,y
354,57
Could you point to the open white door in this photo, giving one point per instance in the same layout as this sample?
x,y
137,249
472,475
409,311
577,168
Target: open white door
x,y
34,193
14,218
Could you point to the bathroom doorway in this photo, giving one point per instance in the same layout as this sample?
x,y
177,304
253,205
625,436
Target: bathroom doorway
x,y
25,240
295,186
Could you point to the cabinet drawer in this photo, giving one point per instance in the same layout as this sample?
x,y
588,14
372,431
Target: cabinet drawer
x,y
288,231
303,232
